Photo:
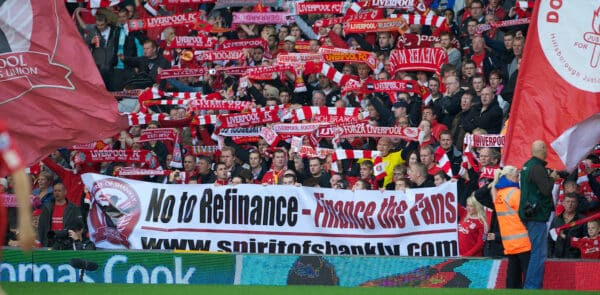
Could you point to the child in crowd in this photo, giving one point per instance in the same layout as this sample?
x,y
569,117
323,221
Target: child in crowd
x,y
590,245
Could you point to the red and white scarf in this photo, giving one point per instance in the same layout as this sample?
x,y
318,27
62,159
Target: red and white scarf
x,y
524,8
133,171
367,130
155,93
408,41
329,72
584,182
219,55
431,20
177,159
240,131
203,150
388,86
244,43
484,140
234,71
307,151
417,59
102,3
303,8
135,119
158,134
335,119
156,22
346,55
166,102
487,175
379,25
296,129
97,156
267,72
194,42
262,18
372,14
228,105
500,24
378,168
305,113
249,119
86,146
298,58
182,72
204,120
443,162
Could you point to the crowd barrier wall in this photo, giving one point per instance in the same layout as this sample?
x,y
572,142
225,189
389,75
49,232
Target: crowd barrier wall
x,y
181,267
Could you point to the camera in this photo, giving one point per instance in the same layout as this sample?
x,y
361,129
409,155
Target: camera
x,y
60,239
529,209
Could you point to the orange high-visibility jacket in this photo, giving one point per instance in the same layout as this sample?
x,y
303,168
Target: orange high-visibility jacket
x,y
515,238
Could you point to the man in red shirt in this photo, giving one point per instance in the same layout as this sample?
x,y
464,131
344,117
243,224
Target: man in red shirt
x,y
275,174
11,163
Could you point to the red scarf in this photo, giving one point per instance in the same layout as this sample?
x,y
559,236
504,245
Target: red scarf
x,y
96,156
362,15
346,55
203,150
158,134
250,119
379,25
193,42
229,105
165,21
182,72
216,55
417,59
330,72
302,8
367,130
378,167
305,113
133,171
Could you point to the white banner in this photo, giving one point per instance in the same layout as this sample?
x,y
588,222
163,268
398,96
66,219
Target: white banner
x,y
128,214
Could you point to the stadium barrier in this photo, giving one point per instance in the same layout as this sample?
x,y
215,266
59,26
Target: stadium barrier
x,y
180,267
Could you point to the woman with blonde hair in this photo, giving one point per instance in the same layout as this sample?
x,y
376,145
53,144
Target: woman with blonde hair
x,y
44,190
471,229
515,238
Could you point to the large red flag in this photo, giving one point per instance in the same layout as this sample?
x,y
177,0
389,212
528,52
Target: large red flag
x,y
557,97
51,92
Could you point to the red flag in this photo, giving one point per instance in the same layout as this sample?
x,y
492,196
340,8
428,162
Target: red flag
x,y
557,95
52,94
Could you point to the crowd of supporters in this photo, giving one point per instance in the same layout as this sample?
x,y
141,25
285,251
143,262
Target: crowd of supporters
x,y
469,95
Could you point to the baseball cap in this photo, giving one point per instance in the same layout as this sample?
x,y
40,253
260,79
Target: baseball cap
x,y
290,38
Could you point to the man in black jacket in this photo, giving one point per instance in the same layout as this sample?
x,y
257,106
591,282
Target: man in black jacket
x,y
103,42
59,216
489,114
150,63
130,44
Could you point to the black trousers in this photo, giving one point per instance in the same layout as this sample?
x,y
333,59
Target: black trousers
x,y
516,270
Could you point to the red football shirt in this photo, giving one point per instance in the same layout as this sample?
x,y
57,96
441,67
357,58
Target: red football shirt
x,y
57,216
590,248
